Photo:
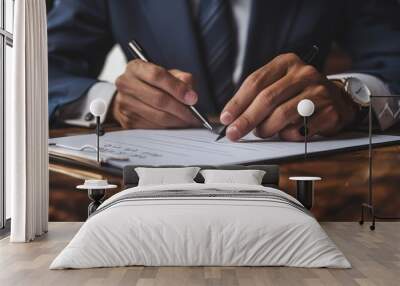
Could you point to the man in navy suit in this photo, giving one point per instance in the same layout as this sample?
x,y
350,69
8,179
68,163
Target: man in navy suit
x,y
238,58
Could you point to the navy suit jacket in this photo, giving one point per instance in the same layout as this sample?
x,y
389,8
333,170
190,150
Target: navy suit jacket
x,y
81,33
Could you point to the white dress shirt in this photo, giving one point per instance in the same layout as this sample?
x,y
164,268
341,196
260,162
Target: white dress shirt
x,y
241,14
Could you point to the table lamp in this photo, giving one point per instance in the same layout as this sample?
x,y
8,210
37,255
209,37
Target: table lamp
x,y
305,184
305,108
98,108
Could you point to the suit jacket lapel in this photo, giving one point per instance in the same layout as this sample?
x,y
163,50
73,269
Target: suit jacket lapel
x,y
269,27
171,25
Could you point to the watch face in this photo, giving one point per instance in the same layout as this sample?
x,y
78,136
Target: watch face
x,y
359,91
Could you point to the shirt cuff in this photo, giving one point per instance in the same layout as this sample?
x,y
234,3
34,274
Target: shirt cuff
x,y
386,109
78,112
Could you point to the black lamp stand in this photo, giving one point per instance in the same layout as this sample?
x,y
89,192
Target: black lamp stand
x,y
96,196
369,207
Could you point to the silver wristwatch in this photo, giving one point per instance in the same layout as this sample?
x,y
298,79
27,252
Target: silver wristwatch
x,y
358,91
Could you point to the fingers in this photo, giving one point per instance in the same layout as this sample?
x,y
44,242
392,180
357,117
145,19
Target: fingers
x,y
132,113
133,121
133,88
160,118
324,122
269,100
162,79
291,133
154,96
264,92
263,105
183,76
286,114
250,88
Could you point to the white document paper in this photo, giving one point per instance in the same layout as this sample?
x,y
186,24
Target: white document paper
x,y
197,147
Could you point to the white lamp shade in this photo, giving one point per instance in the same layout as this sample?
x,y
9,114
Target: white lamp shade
x,y
98,107
305,108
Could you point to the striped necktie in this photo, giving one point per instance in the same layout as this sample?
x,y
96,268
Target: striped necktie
x,y
219,46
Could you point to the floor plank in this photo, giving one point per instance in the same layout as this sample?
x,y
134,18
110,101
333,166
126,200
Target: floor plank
x,y
375,257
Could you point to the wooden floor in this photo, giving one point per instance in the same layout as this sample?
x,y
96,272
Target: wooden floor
x,y
375,257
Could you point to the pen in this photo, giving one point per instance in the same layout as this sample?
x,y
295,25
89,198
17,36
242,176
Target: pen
x,y
138,52
308,58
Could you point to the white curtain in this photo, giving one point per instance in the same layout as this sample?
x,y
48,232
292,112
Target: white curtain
x,y
27,123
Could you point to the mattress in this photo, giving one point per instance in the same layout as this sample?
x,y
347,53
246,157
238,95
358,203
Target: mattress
x,y
201,225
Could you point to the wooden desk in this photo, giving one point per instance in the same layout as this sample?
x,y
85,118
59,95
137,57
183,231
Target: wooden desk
x,y
337,197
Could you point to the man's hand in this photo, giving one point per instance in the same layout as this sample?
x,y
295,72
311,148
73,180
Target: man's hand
x,y
150,96
267,102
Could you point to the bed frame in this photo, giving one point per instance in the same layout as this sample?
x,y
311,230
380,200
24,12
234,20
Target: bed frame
x,y
270,179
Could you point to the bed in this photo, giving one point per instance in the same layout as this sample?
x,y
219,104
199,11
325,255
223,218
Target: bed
x,y
198,224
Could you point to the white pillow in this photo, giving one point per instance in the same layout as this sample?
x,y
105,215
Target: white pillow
x,y
165,176
247,177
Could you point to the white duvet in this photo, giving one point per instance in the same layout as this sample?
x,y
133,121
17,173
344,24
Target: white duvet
x,y
188,231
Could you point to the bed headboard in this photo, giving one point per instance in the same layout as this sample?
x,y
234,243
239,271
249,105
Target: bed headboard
x,y
271,177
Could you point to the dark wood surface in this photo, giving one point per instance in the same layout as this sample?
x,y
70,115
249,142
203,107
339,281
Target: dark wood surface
x,y
337,197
